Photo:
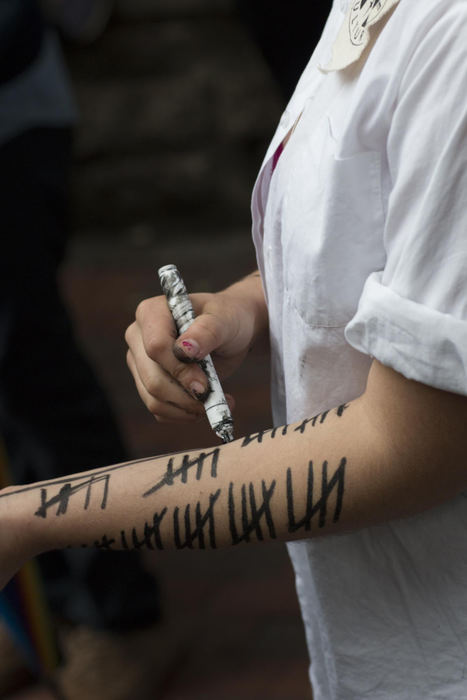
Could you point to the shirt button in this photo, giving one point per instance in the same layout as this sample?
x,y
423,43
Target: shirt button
x,y
285,119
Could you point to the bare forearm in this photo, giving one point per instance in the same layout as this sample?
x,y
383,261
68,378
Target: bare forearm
x,y
243,492
324,475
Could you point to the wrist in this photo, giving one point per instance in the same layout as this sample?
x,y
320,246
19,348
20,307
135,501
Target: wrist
x,y
13,538
250,294
20,535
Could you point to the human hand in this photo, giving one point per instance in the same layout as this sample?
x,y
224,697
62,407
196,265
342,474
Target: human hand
x,y
168,379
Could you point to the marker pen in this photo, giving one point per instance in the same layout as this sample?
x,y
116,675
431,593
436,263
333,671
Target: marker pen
x,y
216,407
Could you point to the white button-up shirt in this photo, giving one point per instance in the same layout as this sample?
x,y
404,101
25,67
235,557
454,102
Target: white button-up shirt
x,y
361,237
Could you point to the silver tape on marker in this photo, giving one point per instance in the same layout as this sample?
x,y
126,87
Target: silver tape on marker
x,y
216,407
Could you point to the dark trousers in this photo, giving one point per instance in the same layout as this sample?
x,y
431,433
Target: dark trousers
x,y
54,417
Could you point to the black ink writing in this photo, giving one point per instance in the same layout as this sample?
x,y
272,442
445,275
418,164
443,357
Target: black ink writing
x,y
199,462
258,437
151,536
96,474
340,409
311,421
104,543
282,430
300,428
251,514
67,491
320,504
195,534
254,437
320,418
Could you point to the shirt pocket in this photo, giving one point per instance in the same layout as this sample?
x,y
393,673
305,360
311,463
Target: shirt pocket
x,y
332,234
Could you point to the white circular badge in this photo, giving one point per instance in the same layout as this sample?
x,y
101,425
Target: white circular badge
x,y
362,14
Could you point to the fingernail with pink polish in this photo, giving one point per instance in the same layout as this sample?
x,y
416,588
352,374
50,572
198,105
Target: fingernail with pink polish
x,y
186,349
191,347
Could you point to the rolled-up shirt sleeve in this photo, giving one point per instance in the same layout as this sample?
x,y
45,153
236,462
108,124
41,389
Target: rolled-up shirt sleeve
x,y
412,315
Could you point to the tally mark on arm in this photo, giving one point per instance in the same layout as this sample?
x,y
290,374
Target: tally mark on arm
x,y
68,491
300,428
336,482
255,512
199,462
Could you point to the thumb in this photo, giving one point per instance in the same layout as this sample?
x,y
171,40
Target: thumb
x,y
207,332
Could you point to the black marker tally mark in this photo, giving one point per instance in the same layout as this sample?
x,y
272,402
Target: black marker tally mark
x,y
195,533
104,543
151,537
258,437
315,420
68,491
320,418
251,514
320,505
181,471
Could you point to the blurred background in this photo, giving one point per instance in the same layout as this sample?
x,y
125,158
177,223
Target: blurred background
x,y
176,107
176,101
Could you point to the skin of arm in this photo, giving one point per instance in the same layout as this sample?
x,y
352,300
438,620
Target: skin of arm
x,y
395,451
